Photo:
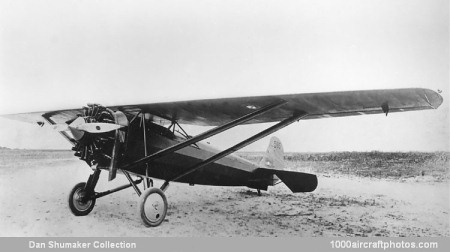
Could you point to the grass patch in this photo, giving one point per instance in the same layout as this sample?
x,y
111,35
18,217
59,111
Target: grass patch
x,y
368,164
15,158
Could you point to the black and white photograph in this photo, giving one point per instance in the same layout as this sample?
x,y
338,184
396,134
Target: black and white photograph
x,y
192,118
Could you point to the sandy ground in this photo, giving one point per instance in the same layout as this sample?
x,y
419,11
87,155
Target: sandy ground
x,y
34,203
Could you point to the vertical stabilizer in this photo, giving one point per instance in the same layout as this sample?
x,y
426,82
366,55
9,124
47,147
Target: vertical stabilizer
x,y
274,156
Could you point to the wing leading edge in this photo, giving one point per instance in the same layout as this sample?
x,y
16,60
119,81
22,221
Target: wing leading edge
x,y
213,112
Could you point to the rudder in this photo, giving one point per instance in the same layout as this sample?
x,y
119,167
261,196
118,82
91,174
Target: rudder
x,y
274,156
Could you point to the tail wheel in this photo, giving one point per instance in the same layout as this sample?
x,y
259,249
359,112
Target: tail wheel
x,y
77,204
95,148
153,207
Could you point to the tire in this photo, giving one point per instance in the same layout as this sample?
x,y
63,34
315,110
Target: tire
x,y
153,207
77,207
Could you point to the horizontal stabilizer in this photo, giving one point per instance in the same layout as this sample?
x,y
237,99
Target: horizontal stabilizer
x,y
296,181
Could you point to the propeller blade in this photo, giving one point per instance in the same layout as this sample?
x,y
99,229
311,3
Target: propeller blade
x,y
77,134
60,127
96,127
78,126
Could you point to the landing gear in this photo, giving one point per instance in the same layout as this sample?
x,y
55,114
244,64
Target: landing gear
x,y
78,204
153,207
83,196
152,202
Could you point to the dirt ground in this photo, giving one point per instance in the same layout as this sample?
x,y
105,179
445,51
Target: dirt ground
x,y
34,203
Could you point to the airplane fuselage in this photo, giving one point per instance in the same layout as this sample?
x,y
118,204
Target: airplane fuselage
x,y
228,171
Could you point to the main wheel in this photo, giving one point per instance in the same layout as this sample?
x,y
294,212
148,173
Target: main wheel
x,y
77,206
153,207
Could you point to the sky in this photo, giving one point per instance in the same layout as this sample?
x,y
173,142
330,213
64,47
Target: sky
x,y
63,54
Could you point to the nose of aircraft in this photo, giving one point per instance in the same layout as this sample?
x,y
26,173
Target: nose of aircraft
x,y
79,126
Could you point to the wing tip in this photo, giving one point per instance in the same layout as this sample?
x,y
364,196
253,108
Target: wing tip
x,y
434,98
34,117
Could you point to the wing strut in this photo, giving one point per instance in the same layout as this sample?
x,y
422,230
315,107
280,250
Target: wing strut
x,y
297,116
205,135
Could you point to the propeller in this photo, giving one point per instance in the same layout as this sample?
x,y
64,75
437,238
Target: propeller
x,y
97,127
94,134
79,126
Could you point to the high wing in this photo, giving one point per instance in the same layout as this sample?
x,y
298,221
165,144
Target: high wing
x,y
213,112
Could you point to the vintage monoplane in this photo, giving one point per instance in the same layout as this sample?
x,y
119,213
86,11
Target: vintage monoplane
x,y
148,141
